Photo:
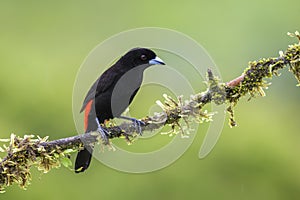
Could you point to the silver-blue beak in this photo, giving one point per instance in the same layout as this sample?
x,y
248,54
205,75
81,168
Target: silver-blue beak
x,y
156,61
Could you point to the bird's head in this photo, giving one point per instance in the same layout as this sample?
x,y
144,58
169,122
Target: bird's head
x,y
140,57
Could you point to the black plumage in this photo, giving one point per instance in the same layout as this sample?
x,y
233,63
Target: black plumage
x,y
112,93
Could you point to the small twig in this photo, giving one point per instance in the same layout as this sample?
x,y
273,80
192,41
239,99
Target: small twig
x,y
236,81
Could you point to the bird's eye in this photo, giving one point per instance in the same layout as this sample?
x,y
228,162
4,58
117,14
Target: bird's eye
x,y
143,57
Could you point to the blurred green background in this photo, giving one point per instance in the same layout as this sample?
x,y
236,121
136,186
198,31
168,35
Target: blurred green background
x,y
43,43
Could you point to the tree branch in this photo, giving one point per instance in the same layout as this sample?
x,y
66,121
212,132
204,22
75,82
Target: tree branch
x,y
27,151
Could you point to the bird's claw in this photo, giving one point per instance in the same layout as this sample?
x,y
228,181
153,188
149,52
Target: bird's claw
x,y
136,123
103,133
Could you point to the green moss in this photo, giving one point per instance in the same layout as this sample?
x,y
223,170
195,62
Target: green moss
x,y
24,152
293,56
256,74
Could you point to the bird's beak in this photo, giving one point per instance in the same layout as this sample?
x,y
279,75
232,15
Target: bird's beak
x,y
156,61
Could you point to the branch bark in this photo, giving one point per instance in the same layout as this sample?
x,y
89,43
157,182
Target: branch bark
x,y
24,152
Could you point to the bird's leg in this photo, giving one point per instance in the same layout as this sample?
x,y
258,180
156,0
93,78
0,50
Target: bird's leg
x,y
137,123
103,133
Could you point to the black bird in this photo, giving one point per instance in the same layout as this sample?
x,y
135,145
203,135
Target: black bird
x,y
112,93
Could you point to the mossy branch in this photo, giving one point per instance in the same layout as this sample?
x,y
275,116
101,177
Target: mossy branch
x,y
24,152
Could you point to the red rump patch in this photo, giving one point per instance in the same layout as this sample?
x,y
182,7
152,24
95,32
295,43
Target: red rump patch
x,y
88,108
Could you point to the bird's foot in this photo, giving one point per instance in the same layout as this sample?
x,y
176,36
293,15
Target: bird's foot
x,y
103,133
137,123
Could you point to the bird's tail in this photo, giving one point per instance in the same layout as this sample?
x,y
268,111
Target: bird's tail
x,y
83,160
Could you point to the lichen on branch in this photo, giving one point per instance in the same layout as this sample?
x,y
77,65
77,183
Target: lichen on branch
x,y
24,152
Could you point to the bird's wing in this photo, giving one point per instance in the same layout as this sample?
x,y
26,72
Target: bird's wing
x,y
104,82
